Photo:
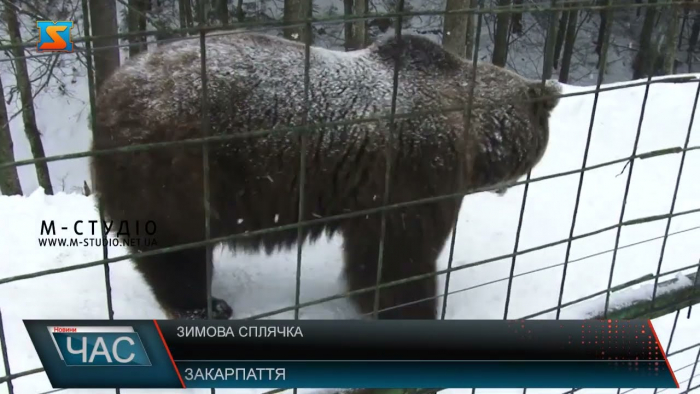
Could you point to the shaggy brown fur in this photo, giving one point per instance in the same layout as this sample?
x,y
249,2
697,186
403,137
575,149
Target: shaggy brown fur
x,y
255,82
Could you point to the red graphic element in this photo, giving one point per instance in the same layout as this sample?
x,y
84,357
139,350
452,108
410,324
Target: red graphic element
x,y
167,349
658,343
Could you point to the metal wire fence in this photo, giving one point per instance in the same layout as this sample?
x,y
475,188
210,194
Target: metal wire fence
x,y
85,46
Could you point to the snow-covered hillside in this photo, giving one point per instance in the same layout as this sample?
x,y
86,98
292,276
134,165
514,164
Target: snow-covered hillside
x,y
254,284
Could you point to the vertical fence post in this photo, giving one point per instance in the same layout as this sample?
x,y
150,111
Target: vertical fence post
x,y
467,124
104,233
388,154
547,61
303,142
650,74
205,128
675,194
692,373
670,339
607,32
5,357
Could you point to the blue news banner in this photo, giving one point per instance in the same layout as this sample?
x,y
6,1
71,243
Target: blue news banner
x,y
350,354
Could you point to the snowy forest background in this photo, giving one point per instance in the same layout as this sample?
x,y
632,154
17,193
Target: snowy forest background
x,y
661,39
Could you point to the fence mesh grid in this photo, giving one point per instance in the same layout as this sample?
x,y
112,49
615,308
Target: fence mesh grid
x,y
85,47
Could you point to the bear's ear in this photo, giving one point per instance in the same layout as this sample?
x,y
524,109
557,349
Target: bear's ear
x,y
544,98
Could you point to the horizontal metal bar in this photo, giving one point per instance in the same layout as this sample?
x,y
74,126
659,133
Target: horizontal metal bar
x,y
13,376
307,128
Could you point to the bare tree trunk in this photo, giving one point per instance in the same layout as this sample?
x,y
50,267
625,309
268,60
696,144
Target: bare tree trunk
x,y
240,15
189,19
517,19
360,33
181,13
500,42
356,36
347,29
184,8
643,58
671,37
561,31
136,20
201,10
694,33
686,13
569,45
548,60
601,30
455,33
103,18
221,7
296,11
163,32
9,179
25,91
471,29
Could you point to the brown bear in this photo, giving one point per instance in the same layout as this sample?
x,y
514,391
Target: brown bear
x,y
256,82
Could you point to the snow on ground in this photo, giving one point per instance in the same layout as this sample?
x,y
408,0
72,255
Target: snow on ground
x,y
254,284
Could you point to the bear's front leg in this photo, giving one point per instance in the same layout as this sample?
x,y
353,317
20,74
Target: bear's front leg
x,y
179,282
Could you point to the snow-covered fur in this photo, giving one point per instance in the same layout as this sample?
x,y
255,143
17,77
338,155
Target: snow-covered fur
x,y
256,82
